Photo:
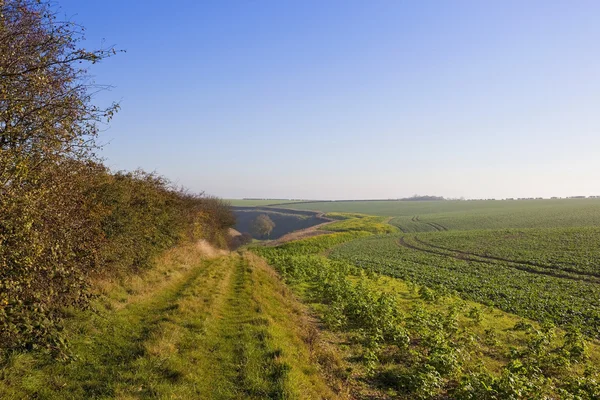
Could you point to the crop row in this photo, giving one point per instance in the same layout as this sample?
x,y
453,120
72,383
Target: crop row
x,y
570,249
533,295
412,224
501,215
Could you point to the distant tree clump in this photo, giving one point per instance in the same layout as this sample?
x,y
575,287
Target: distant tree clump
x,y
417,197
262,226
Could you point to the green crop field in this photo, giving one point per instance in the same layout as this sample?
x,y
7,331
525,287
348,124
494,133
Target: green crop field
x,y
573,250
417,216
562,293
458,324
362,311
119,283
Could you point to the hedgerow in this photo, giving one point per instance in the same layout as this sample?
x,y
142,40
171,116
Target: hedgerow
x,y
64,217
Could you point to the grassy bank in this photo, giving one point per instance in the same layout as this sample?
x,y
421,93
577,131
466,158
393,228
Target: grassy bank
x,y
222,327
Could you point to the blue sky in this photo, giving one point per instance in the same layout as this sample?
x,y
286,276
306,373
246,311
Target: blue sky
x,y
353,99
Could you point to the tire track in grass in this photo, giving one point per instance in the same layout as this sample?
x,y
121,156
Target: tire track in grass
x,y
114,357
190,356
468,257
223,351
205,338
259,374
494,258
436,226
225,328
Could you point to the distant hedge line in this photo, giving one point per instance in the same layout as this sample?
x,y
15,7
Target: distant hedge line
x,y
63,216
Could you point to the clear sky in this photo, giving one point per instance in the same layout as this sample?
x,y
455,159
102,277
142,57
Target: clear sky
x,y
353,99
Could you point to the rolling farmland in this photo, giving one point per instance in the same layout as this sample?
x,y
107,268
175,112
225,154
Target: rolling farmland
x,y
487,303
573,250
122,283
435,315
366,310
564,296
476,214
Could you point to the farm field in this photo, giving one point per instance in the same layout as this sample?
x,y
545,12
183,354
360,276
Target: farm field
x,y
414,216
535,262
443,330
362,311
568,296
574,250
129,272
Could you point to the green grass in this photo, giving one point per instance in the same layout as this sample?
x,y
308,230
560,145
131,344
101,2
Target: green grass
x,y
224,328
342,216
458,324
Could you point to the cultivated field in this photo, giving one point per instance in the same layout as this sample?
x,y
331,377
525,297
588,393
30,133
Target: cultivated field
x,y
477,214
563,288
495,302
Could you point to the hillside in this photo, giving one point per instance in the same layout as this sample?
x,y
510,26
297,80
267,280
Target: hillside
x,y
285,220
364,312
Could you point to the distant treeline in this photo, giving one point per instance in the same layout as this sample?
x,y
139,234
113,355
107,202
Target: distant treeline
x,y
412,198
416,197
64,217
268,199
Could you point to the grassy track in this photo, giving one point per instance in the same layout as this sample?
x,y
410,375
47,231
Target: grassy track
x,y
224,328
